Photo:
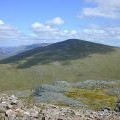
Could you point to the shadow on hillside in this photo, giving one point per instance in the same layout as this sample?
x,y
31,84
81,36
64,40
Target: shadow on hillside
x,y
57,52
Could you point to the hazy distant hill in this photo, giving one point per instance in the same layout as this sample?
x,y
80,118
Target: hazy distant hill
x,y
62,51
11,51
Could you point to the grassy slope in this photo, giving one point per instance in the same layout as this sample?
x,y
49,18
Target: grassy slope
x,y
96,66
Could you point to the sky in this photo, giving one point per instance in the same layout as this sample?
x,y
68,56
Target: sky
x,y
24,22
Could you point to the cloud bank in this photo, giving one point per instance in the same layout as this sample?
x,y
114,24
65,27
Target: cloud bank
x,y
102,8
51,32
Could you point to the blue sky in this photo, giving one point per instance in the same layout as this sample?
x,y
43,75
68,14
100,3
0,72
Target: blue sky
x,y
38,21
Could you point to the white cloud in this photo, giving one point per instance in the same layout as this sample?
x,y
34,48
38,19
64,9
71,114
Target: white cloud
x,y
9,34
50,33
100,12
56,21
1,22
38,27
101,34
103,8
73,32
44,31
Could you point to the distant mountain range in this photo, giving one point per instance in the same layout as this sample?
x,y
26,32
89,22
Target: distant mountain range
x,y
14,50
66,50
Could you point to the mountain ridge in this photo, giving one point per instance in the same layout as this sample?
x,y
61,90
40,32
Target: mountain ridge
x,y
70,49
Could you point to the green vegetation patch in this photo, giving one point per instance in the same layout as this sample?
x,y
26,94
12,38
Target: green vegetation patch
x,y
95,99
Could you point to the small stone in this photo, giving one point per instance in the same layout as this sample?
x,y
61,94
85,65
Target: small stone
x,y
2,116
11,113
117,107
19,112
9,106
14,102
2,109
4,104
27,113
20,104
6,118
43,118
13,97
106,109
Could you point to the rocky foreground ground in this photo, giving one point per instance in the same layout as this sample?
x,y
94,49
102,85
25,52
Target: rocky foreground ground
x,y
12,108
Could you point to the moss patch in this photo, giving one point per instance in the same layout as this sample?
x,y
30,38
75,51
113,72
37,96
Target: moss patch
x,y
95,99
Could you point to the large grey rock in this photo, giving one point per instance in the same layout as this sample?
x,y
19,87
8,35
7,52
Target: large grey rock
x,y
53,97
50,88
55,94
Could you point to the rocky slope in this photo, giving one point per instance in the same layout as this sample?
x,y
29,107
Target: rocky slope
x,y
12,108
